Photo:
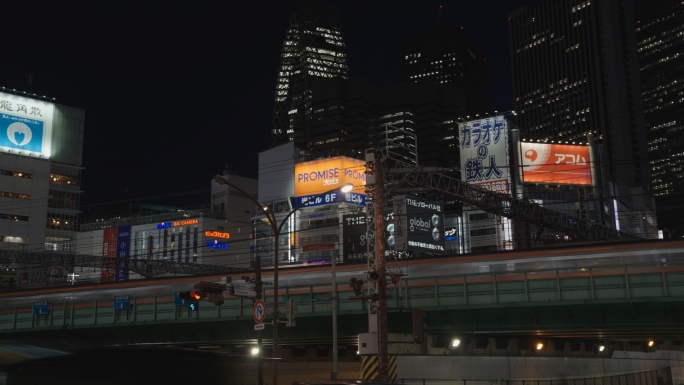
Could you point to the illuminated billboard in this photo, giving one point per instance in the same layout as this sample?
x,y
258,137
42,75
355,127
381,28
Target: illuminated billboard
x,y
25,125
555,163
484,153
318,176
418,225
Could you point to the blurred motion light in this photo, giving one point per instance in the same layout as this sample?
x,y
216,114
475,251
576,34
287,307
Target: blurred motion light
x,y
255,351
455,342
540,346
650,343
601,348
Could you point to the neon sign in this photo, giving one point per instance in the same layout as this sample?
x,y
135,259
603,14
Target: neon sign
x,y
217,245
186,222
217,234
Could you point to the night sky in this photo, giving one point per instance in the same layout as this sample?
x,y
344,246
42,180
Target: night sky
x,y
172,94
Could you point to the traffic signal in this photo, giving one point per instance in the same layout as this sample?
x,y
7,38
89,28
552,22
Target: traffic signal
x,y
190,298
356,285
210,290
419,325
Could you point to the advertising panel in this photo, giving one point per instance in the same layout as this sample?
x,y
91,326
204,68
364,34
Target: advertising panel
x,y
318,176
123,251
555,163
25,125
109,246
354,237
484,153
418,225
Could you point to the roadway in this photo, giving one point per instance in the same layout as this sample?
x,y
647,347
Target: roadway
x,y
565,258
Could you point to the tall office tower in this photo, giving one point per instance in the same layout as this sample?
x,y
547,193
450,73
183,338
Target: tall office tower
x,y
446,56
313,49
351,115
575,72
660,44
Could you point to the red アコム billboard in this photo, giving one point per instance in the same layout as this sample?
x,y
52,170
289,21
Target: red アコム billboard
x,y
555,163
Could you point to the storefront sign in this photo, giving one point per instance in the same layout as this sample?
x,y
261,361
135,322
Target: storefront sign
x,y
186,222
318,247
217,245
217,234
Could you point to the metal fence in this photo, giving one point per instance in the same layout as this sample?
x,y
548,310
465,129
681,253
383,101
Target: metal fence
x,y
601,283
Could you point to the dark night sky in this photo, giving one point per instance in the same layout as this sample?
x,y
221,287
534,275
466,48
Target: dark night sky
x,y
173,93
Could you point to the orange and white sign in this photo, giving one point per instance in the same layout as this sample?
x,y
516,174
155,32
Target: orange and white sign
x,y
319,176
186,222
555,163
217,234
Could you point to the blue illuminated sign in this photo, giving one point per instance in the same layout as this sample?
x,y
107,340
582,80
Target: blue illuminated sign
x,y
330,198
123,250
163,225
451,238
217,245
21,133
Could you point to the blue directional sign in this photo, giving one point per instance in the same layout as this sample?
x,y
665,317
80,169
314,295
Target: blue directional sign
x,y
122,302
40,308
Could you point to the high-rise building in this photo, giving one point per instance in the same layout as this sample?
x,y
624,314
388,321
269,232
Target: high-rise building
x,y
351,115
660,45
446,56
313,49
575,71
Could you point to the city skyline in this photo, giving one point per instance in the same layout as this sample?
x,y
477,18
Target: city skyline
x,y
148,87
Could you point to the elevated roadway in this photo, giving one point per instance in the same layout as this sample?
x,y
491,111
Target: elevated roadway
x,y
564,258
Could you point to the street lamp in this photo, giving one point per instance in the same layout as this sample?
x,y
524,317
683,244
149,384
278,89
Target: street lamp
x,y
276,228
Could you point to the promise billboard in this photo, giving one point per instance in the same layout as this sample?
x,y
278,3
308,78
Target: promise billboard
x,y
555,163
318,176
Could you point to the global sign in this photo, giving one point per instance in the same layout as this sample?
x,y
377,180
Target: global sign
x,y
25,125
418,225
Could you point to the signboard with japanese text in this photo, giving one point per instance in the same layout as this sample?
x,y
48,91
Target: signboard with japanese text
x,y
418,225
555,163
25,125
355,239
123,251
41,308
318,247
122,302
109,247
484,153
318,176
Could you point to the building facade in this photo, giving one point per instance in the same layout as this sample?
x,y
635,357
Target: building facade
x,y
660,45
41,151
446,56
313,49
575,72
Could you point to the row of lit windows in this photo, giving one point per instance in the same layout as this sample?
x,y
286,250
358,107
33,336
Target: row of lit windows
x,y
12,217
14,195
580,6
16,174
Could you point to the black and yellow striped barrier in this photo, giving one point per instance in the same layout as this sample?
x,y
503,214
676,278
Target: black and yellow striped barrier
x,y
369,368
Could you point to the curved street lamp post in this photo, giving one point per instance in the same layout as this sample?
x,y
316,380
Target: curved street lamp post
x,y
276,228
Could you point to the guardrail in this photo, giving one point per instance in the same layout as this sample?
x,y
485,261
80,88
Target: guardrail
x,y
609,283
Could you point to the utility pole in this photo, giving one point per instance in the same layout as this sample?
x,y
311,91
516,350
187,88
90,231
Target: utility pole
x,y
379,203
260,342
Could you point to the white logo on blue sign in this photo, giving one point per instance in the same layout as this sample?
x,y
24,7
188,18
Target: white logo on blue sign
x,y
21,133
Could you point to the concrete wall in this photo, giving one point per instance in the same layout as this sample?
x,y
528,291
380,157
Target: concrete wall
x,y
535,368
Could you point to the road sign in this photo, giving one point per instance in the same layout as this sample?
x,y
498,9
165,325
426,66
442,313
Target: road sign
x,y
40,308
244,289
122,302
259,311
192,306
259,327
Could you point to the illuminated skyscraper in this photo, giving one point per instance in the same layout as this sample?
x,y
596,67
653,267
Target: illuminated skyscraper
x,y
313,49
446,56
660,45
575,71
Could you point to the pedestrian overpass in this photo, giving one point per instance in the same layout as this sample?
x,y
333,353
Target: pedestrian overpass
x,y
615,302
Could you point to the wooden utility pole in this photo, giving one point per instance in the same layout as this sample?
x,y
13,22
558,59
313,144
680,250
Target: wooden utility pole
x,y
379,204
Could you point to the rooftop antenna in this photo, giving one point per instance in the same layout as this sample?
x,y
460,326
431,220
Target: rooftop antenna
x,y
29,81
